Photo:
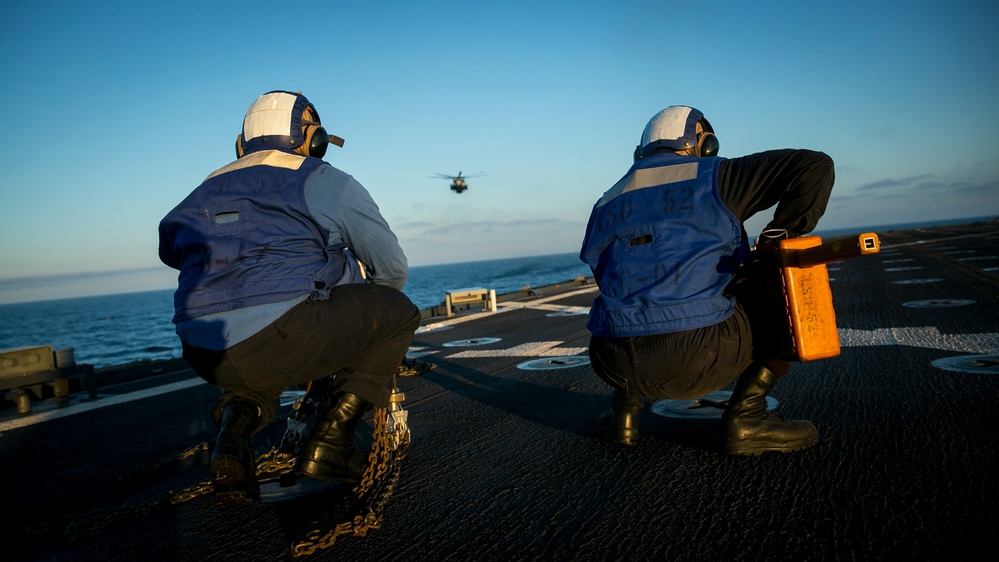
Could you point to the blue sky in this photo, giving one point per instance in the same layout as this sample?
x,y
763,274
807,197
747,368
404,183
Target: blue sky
x,y
114,111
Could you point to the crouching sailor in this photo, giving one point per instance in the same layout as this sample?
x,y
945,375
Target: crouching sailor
x,y
664,244
271,293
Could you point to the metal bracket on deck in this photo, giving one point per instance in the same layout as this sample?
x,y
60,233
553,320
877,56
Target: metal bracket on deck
x,y
469,297
27,367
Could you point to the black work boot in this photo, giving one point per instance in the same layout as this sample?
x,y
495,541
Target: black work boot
x,y
620,423
234,467
748,428
329,453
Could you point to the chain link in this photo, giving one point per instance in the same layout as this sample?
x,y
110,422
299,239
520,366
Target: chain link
x,y
412,367
145,468
362,511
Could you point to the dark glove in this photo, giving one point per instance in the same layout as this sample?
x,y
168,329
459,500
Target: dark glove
x,y
771,237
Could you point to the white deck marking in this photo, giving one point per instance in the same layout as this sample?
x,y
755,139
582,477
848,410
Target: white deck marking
x,y
535,303
926,337
530,349
539,304
99,403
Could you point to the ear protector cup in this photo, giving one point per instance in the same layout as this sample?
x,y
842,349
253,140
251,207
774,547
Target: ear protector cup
x,y
317,140
707,145
707,142
239,146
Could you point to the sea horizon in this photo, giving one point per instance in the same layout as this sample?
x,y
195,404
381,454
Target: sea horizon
x,y
31,289
116,329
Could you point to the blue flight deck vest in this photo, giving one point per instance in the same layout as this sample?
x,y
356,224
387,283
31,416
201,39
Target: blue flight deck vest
x,y
245,237
662,246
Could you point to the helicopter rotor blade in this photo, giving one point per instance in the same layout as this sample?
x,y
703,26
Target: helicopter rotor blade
x,y
458,177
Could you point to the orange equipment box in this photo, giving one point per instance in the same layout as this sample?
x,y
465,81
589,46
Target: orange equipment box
x,y
808,300
811,321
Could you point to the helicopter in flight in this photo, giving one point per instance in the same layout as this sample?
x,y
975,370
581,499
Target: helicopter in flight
x,y
458,183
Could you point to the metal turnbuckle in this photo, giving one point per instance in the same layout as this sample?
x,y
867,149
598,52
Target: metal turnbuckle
x,y
397,427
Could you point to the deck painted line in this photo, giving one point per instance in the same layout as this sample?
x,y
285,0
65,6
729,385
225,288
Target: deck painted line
x,y
530,349
534,304
31,419
538,302
928,337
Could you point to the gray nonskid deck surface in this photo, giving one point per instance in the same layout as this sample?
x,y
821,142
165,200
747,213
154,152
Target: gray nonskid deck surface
x,y
504,463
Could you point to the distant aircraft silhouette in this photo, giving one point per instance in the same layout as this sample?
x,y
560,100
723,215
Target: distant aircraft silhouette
x,y
458,182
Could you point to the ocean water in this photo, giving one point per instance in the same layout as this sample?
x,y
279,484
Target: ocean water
x,y
116,329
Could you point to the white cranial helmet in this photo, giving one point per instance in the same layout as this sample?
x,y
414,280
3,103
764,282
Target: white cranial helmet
x,y
674,128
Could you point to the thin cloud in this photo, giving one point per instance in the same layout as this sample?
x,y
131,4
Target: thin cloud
x,y
891,182
413,225
975,188
80,276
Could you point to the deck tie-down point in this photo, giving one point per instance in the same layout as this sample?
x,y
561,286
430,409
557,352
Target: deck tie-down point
x,y
548,363
976,364
471,342
704,407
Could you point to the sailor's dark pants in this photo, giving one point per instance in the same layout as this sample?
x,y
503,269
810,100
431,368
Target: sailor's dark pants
x,y
677,365
696,362
361,333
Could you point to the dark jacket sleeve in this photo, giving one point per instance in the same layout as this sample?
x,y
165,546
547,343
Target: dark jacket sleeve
x,y
166,252
797,181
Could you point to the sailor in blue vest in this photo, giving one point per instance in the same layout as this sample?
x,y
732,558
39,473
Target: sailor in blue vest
x,y
288,274
665,243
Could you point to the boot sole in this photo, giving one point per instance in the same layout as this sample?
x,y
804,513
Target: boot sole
x,y
757,449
